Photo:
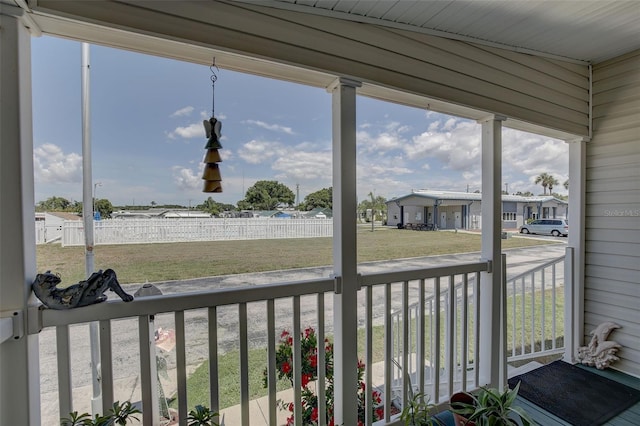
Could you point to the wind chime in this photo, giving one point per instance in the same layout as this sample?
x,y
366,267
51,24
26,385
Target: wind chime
x,y
212,127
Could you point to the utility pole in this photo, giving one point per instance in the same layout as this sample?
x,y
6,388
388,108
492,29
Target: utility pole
x,y
297,195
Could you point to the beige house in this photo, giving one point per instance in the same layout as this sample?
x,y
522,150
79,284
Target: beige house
x,y
565,69
463,210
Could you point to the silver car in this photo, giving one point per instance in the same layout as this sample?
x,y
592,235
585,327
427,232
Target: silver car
x,y
555,227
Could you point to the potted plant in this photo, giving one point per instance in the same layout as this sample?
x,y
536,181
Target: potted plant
x,y
489,407
417,411
119,414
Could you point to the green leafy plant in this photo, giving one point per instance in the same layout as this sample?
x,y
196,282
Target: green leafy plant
x,y
119,414
202,416
309,374
417,411
490,407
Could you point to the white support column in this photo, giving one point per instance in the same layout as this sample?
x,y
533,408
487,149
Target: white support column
x,y
19,356
574,262
491,281
344,251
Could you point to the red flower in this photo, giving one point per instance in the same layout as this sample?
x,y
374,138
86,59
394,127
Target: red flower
x,y
360,423
313,360
380,413
314,414
291,407
286,367
308,332
306,377
331,422
290,421
290,341
284,334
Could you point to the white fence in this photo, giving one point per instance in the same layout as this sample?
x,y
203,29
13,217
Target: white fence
x,y
136,231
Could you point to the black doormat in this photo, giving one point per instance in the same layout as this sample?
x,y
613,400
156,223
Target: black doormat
x,y
574,394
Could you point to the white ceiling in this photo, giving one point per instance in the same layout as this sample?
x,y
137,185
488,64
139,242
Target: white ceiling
x,y
577,30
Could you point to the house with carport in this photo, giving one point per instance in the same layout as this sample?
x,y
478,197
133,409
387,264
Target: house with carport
x,y
463,210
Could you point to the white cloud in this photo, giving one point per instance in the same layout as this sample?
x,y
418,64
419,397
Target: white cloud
x,y
456,144
380,143
272,127
307,165
191,131
187,179
183,112
256,152
52,165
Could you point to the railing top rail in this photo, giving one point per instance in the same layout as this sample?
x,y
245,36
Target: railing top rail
x,y
537,268
422,273
153,305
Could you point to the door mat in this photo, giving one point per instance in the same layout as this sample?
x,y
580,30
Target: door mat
x,y
575,394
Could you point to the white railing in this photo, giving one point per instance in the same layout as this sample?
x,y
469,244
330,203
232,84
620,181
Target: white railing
x,y
535,318
253,317
535,311
135,231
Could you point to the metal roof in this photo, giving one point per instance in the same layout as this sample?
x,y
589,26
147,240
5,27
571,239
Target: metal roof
x,y
473,196
586,30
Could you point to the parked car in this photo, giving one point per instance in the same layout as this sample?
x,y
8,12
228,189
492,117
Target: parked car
x,y
555,227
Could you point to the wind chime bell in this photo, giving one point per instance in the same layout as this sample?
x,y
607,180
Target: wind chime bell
x,y
211,174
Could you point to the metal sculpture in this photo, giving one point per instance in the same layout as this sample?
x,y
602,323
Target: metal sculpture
x,y
86,292
600,352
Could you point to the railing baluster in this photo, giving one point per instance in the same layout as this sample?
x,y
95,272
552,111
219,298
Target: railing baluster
x,y
523,319
181,370
533,313
451,333
553,306
476,331
465,330
368,347
388,352
405,342
214,393
244,364
271,361
542,313
321,363
106,365
513,319
148,371
435,352
421,336
65,393
297,363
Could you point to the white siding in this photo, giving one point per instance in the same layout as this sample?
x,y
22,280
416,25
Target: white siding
x,y
612,271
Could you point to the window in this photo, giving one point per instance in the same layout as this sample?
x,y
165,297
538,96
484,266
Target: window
x,y
508,216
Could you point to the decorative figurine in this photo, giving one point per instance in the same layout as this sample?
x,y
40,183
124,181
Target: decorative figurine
x,y
86,292
600,352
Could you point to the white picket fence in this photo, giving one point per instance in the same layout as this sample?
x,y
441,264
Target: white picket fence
x,y
137,231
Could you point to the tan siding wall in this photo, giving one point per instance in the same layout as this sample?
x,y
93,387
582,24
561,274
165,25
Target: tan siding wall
x,y
530,89
612,266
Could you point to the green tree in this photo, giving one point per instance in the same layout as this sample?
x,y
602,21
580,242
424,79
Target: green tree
x,y
54,204
322,199
104,206
543,179
525,194
211,206
551,182
566,184
268,194
377,205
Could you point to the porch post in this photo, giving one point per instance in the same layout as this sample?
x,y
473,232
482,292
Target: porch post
x,y
19,356
574,262
490,356
344,251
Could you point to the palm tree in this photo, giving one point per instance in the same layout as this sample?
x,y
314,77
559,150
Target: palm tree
x,y
543,179
551,182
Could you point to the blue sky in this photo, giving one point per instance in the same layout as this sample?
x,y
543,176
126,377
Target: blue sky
x,y
148,139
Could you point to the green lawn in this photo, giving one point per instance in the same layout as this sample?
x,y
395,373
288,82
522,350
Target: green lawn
x,y
139,263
